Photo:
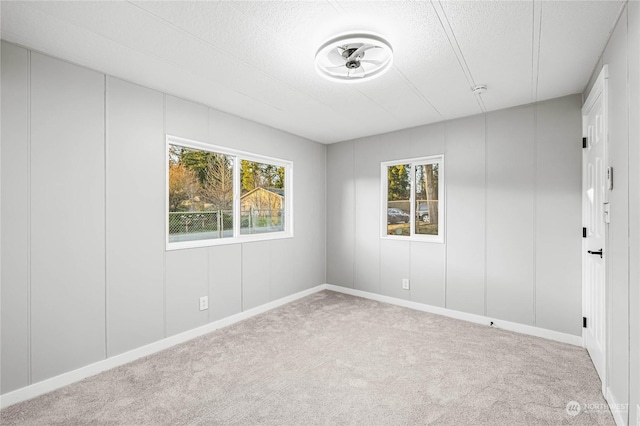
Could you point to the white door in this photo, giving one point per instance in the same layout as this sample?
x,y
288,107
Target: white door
x,y
594,185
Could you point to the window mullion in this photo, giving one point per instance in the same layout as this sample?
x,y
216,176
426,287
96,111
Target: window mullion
x,y
236,197
412,207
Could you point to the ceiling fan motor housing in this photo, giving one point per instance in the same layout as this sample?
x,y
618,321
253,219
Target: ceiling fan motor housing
x,y
348,52
343,58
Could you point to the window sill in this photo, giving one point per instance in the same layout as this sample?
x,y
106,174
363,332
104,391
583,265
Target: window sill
x,y
415,238
248,238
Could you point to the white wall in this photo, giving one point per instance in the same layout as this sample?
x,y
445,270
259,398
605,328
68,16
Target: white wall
x,y
634,210
85,274
622,54
513,216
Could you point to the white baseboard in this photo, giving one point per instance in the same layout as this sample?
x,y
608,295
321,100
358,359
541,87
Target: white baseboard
x,y
65,379
620,411
478,319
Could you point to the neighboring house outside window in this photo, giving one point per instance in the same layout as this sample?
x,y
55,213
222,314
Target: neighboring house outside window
x,y
263,207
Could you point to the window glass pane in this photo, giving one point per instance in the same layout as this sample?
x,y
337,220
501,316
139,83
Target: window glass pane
x,y
426,199
399,199
200,194
262,197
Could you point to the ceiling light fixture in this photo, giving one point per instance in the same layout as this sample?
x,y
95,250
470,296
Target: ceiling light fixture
x,y
354,57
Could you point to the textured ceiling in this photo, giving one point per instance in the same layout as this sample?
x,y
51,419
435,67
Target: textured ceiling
x,y
256,59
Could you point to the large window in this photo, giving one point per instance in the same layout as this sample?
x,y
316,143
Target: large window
x,y
412,195
217,195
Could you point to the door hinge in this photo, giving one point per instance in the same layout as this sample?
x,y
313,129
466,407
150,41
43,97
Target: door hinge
x,y
584,322
584,232
584,142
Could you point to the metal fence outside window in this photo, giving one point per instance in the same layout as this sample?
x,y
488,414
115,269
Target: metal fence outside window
x,y
256,221
187,226
213,223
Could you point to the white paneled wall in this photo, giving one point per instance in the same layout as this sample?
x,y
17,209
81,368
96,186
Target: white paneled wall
x,y
135,213
187,279
85,274
634,209
281,277
466,215
16,368
557,251
427,271
513,218
225,281
395,264
67,217
510,224
366,223
341,209
255,271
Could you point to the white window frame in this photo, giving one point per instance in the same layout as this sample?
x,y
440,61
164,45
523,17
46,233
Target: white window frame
x,y
238,157
384,182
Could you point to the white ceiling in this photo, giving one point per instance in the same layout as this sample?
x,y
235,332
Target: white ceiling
x,y
255,59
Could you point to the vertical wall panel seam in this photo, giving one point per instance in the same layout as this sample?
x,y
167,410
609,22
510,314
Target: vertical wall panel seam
x,y
486,204
326,213
533,45
629,260
355,221
29,357
535,209
166,209
208,248
208,282
270,277
106,233
241,277
380,201
535,156
378,157
354,197
537,56
446,199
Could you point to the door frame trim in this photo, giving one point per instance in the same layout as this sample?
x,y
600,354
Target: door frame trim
x,y
599,88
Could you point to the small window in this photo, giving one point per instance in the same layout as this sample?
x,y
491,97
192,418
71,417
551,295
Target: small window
x,y
216,195
412,194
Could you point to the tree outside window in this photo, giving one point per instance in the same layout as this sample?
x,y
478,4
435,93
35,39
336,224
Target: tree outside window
x,y
200,194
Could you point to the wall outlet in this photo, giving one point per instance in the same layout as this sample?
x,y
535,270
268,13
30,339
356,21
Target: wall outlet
x,y
405,283
204,303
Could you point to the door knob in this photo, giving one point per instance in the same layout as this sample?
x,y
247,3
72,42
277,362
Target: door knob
x,y
595,252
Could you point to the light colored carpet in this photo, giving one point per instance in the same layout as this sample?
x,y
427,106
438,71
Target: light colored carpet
x,y
331,358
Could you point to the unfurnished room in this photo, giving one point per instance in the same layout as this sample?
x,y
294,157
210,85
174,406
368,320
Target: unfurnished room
x,y
320,212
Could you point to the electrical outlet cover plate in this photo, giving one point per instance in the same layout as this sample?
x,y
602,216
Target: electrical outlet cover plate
x,y
405,283
204,303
